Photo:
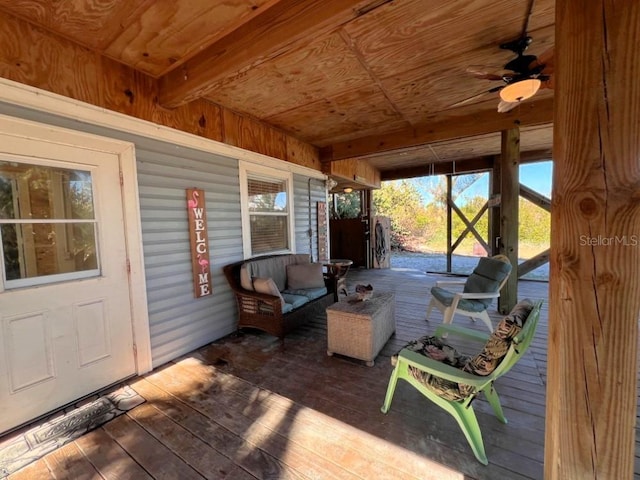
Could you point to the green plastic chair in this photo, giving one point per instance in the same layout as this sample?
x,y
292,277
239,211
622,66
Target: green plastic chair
x,y
462,410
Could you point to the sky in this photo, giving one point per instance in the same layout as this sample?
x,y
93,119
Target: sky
x,y
533,175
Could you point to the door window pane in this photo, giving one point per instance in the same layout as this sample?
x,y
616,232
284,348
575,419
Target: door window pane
x,y
38,192
47,221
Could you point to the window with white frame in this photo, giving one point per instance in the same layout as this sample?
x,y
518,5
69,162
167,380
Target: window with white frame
x,y
267,207
48,224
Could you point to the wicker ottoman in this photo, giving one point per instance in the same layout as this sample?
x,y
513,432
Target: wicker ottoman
x,y
360,329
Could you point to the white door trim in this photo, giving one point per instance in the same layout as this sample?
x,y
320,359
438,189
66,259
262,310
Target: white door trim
x,y
131,213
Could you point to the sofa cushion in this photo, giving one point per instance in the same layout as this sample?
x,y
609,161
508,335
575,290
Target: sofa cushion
x,y
310,293
486,277
307,275
445,297
246,281
270,267
266,285
295,300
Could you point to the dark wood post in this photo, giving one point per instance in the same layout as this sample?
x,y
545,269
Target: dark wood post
x,y
494,211
367,218
595,227
510,196
449,222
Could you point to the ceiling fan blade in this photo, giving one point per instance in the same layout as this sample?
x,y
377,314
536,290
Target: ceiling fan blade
x,y
548,83
504,107
474,97
483,72
546,57
545,62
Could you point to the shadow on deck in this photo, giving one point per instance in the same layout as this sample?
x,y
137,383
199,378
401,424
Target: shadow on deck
x,y
351,393
242,407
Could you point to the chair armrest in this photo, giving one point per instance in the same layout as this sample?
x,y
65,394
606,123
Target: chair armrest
x,y
261,304
265,297
439,369
467,333
441,283
477,296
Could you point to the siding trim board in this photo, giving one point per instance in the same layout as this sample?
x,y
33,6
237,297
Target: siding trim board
x,y
21,95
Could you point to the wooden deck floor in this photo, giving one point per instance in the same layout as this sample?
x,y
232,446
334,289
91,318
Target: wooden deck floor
x,y
242,408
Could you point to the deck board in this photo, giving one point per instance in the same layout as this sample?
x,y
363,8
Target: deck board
x,y
69,462
155,457
109,458
207,461
243,408
37,470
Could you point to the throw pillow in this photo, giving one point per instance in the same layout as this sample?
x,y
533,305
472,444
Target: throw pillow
x,y
268,286
306,275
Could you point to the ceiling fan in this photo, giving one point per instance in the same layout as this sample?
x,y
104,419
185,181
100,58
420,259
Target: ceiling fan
x,y
522,76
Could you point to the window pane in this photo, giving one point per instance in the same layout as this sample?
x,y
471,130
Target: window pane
x,y
269,233
33,250
267,195
10,250
37,192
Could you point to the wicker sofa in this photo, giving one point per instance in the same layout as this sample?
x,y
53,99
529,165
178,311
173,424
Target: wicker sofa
x,y
277,293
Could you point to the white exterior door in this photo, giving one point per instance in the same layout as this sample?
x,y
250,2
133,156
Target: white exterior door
x,y
65,309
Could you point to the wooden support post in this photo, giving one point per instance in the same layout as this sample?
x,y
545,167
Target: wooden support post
x,y
510,196
367,208
494,212
449,222
595,257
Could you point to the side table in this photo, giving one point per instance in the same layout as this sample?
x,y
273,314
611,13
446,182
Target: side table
x,y
337,269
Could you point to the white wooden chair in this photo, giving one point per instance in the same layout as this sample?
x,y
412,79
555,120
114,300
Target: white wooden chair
x,y
478,291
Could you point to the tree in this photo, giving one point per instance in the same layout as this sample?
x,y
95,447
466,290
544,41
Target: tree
x,y
437,186
347,205
401,201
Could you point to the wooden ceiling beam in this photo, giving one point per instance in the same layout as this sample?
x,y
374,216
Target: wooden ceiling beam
x,y
488,121
279,27
468,165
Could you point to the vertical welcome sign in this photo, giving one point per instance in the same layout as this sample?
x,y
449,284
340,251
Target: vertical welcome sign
x,y
322,231
199,241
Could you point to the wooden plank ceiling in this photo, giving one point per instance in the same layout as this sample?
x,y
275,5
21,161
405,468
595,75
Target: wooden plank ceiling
x,y
372,79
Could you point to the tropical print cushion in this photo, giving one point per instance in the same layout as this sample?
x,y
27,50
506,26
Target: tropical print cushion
x,y
498,344
437,349
482,364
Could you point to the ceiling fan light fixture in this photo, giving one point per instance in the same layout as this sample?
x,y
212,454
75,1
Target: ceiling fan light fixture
x,y
518,91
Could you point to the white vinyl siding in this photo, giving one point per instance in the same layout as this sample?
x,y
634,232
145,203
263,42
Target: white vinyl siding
x,y
307,192
178,322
